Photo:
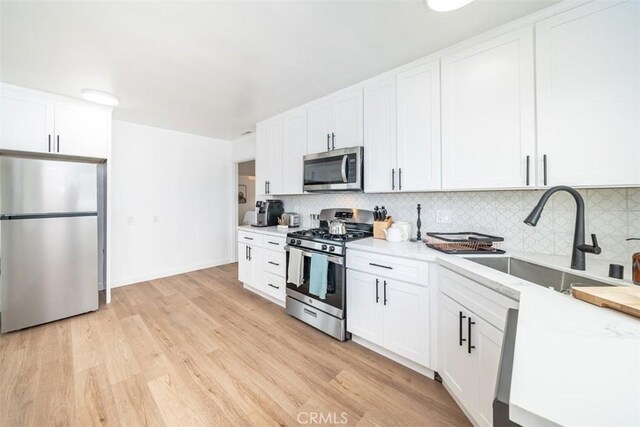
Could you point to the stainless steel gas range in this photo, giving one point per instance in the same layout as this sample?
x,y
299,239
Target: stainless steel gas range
x,y
328,314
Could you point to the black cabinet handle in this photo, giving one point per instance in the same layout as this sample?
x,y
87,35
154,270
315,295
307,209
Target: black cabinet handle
x,y
469,346
393,179
460,339
58,143
328,146
273,263
248,238
268,187
249,252
384,291
380,265
246,252
49,142
333,141
265,187
377,292
544,169
274,243
399,178
273,286
528,160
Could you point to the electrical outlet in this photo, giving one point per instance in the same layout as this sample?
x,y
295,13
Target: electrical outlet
x,y
443,217
130,220
156,219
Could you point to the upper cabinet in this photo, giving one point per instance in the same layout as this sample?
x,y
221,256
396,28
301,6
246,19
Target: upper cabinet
x,y
294,147
40,123
488,114
336,121
269,157
588,95
418,128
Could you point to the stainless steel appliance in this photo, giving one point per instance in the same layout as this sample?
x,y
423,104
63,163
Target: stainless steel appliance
x,y
337,170
291,219
49,235
268,212
329,314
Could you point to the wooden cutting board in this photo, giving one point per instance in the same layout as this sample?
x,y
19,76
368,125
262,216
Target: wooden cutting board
x,y
622,298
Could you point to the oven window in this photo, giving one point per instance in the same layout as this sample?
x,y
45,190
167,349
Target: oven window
x,y
335,283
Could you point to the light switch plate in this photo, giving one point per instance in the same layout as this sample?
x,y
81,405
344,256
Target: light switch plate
x,y
443,217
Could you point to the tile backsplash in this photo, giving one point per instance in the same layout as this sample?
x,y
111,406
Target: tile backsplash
x,y
613,214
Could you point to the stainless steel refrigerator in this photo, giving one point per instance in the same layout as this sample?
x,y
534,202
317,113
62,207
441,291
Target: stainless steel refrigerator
x,y
49,240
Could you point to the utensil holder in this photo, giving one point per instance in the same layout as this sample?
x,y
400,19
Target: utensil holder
x,y
379,227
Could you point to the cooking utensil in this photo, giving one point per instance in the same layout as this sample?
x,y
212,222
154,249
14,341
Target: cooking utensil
x,y
338,227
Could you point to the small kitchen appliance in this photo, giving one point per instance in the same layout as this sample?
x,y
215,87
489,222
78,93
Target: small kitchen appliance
x,y
328,314
268,212
334,170
291,219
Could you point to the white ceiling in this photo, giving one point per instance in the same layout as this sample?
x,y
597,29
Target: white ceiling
x,y
215,68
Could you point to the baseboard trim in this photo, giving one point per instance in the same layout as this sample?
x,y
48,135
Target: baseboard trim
x,y
395,357
167,273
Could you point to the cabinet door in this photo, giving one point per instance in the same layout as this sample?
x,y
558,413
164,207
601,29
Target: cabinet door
x,y
245,268
26,121
588,95
274,166
347,118
319,127
294,147
81,130
364,306
457,366
263,133
488,114
488,344
406,320
380,136
419,128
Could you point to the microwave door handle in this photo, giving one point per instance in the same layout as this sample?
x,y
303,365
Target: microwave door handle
x,y
345,158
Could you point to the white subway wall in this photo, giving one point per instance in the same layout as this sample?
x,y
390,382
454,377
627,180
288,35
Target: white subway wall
x,y
171,195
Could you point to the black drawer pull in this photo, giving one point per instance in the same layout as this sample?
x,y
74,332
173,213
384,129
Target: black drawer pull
x,y
273,286
384,290
381,266
274,243
377,292
310,313
273,263
460,336
469,331
248,238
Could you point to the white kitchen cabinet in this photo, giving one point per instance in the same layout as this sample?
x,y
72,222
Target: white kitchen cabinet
x,y
406,320
418,115
294,147
390,313
364,307
247,272
488,347
27,121
588,95
269,160
380,135
37,122
336,121
82,130
262,264
488,117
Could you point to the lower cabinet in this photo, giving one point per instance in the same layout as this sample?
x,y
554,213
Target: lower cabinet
x,y
262,264
249,264
469,347
390,313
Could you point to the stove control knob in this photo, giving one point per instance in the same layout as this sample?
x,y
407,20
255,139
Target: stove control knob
x,y
298,242
292,241
324,247
332,248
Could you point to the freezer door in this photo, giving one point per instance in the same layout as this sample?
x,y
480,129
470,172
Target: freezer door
x,y
35,186
49,269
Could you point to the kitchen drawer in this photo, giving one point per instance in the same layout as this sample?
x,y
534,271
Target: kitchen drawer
x,y
274,286
392,267
250,238
484,302
274,262
274,243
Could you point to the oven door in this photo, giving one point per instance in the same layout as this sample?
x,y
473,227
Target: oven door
x,y
334,302
337,170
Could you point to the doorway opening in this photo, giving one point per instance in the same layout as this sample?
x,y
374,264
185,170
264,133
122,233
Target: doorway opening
x,y
246,192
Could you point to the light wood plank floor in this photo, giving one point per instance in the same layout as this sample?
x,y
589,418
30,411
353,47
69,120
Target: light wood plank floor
x,y
198,349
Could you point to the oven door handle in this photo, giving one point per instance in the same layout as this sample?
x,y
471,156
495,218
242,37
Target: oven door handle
x,y
345,158
308,253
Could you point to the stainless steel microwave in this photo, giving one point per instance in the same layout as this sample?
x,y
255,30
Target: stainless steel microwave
x,y
335,170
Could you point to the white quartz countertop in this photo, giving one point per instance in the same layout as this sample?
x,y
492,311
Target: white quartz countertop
x,y
268,231
574,363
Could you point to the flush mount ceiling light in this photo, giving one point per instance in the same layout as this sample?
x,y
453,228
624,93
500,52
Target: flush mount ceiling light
x,y
99,97
446,5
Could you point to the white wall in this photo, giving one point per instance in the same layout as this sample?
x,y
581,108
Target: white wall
x,y
244,148
171,195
